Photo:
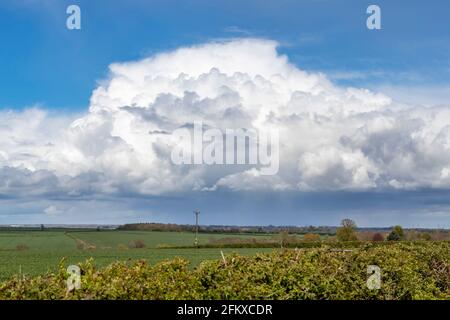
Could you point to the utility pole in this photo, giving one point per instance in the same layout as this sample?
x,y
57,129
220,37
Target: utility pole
x,y
197,212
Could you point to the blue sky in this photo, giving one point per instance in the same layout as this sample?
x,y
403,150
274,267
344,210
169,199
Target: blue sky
x,y
58,68
45,65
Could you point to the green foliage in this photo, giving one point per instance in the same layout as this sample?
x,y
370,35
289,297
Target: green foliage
x,y
347,231
408,271
35,252
396,234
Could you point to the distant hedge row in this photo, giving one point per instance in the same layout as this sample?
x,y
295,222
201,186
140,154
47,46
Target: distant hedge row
x,y
408,271
300,244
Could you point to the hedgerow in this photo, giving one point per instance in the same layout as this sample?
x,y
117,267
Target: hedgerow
x,y
408,271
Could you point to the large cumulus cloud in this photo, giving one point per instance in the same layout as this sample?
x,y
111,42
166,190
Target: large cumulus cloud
x,y
331,138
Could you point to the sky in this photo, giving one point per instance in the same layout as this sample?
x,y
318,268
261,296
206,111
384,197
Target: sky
x,y
363,114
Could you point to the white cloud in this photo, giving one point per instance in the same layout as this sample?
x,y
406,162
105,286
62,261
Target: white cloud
x,y
52,211
331,138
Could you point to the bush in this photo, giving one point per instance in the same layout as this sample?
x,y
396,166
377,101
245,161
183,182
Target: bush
x,y
137,244
311,237
396,234
377,237
408,270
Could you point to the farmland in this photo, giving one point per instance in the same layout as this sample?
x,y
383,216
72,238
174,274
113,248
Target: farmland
x,y
33,253
135,264
407,270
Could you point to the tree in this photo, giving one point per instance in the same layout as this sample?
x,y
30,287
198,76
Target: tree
x,y
285,238
377,237
347,231
348,223
396,234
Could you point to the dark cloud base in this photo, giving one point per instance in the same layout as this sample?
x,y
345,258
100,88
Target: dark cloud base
x,y
424,208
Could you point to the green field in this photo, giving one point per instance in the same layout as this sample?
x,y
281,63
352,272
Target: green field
x,y
36,252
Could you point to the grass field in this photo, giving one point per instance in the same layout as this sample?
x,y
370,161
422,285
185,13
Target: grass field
x,y
406,270
35,252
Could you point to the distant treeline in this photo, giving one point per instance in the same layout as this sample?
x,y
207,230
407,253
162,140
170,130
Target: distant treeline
x,y
227,229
